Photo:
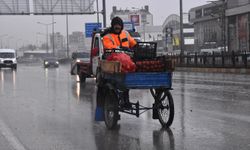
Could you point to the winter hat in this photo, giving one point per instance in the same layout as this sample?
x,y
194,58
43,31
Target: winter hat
x,y
116,20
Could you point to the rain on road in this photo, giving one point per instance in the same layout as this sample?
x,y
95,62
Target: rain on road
x,y
46,109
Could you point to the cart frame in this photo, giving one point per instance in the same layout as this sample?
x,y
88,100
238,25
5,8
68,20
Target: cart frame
x,y
111,86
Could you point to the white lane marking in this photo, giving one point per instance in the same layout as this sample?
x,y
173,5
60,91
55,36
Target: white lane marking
x,y
9,136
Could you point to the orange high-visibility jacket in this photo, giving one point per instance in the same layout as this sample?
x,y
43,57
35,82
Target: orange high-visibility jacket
x,y
112,41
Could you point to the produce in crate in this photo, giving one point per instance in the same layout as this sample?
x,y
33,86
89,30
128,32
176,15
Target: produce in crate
x,y
150,66
127,64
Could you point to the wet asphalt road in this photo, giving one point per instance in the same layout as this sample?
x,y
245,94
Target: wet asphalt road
x,y
46,109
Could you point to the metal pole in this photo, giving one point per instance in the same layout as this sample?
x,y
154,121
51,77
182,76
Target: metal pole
x,y
53,36
224,24
97,9
67,36
181,29
104,12
144,32
47,38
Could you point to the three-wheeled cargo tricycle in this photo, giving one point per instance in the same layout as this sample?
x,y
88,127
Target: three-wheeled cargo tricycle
x,y
111,83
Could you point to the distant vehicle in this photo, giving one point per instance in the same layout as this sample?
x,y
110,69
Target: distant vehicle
x,y
81,56
51,62
8,58
81,66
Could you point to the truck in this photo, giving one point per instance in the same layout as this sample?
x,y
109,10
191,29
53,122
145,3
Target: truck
x,y
8,58
86,65
81,65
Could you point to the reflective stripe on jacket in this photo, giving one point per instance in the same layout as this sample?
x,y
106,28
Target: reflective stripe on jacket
x,y
111,40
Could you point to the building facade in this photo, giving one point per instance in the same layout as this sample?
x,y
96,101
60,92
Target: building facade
x,y
238,15
58,40
150,33
208,24
223,23
77,41
171,34
139,16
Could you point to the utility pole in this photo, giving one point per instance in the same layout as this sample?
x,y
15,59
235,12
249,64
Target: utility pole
x,y
97,9
144,32
53,36
181,30
223,21
67,36
47,39
104,12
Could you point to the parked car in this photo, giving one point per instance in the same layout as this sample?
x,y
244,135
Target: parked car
x,y
51,62
8,58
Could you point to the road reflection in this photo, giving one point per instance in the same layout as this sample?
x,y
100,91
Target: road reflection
x,y
114,140
7,76
46,73
83,91
163,139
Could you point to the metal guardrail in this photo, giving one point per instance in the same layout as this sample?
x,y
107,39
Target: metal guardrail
x,y
214,60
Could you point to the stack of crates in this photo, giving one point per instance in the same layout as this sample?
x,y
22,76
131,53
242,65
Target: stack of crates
x,y
145,51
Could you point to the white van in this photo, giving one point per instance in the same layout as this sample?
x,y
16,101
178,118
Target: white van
x,y
8,58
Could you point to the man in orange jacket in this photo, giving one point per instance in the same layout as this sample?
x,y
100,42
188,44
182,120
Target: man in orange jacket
x,y
117,37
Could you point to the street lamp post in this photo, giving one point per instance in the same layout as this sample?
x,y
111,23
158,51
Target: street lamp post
x,y
104,12
47,39
181,30
223,24
67,34
53,36
97,9
47,33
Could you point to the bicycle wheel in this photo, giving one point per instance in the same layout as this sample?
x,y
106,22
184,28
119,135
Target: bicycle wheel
x,y
165,107
111,110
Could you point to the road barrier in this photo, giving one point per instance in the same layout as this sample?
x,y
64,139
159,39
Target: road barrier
x,y
213,60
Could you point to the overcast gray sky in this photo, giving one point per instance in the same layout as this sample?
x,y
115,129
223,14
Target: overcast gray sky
x,y
24,28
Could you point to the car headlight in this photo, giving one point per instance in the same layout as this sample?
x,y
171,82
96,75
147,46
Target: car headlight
x,y
78,60
46,63
57,62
